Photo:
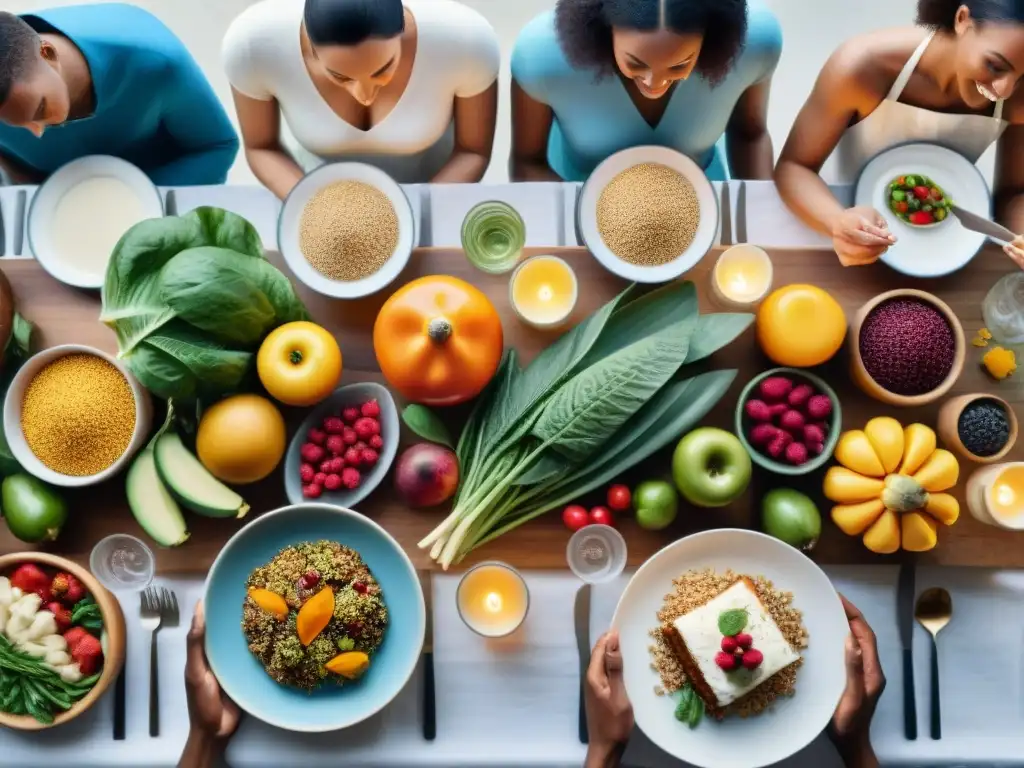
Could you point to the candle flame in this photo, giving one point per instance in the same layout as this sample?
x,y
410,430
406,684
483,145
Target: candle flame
x,y
545,292
1005,495
739,284
493,602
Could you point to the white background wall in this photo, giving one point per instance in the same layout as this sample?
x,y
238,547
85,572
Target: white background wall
x,y
812,29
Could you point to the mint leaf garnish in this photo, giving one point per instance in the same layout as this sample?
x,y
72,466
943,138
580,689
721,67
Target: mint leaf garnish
x,y
731,623
696,711
685,702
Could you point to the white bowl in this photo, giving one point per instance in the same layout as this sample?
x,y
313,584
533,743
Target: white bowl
x,y
938,249
41,224
288,224
791,723
16,437
586,214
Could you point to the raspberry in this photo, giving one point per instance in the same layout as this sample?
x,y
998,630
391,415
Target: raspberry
x,y
306,473
333,425
335,444
371,409
816,449
333,482
360,446
366,428
353,457
309,580
791,421
797,454
311,453
800,395
752,659
777,446
730,644
763,434
743,640
819,407
319,478
350,414
758,410
775,389
777,410
726,661
311,491
337,464
349,436
359,587
316,436
813,434
369,457
350,477
376,442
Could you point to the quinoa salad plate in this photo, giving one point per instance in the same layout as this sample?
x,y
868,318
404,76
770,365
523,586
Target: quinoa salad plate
x,y
315,618
749,597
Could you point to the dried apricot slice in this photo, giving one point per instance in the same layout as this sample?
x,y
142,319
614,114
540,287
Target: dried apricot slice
x,y
314,615
350,665
271,602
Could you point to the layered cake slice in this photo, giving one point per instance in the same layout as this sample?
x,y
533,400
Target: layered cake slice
x,y
729,646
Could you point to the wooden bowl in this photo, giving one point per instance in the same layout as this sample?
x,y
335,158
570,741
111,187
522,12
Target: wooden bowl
x,y
949,426
114,631
869,386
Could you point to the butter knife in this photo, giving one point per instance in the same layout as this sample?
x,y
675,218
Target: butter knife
x,y
905,595
429,699
725,217
581,615
741,214
990,229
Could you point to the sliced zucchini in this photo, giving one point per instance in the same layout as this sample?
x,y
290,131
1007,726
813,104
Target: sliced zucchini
x,y
151,503
191,483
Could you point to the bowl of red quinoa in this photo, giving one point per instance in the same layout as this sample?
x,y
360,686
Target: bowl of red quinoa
x,y
979,427
907,348
260,645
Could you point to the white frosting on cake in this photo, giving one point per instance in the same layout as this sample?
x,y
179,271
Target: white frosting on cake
x,y
699,631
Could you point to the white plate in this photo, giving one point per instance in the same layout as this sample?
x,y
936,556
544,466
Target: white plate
x,y
291,216
586,213
44,205
936,250
792,723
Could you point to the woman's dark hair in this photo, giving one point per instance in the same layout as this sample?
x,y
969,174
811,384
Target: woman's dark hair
x,y
585,29
941,14
350,22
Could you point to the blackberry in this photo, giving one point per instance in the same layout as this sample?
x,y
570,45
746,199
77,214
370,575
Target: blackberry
x,y
984,427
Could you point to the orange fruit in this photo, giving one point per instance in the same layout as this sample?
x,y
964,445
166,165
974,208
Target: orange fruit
x,y
800,326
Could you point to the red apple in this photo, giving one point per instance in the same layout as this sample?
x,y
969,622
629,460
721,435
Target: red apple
x,y
426,475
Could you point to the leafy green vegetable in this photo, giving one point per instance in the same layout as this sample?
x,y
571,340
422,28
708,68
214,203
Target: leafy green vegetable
x,y
18,350
190,298
426,424
732,622
86,613
602,398
29,687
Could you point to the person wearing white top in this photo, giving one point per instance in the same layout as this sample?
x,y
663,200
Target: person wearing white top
x,y
951,80
408,87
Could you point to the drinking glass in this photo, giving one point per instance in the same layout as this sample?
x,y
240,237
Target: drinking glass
x,y
596,553
493,236
1003,309
122,563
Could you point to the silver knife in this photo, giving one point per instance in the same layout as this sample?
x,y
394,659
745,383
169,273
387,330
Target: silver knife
x,y
990,229
581,615
429,698
725,215
741,213
905,596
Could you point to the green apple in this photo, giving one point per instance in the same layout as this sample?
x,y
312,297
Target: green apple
x,y
792,517
711,467
656,504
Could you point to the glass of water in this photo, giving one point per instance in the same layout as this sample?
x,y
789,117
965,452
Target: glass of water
x,y
596,553
493,236
122,563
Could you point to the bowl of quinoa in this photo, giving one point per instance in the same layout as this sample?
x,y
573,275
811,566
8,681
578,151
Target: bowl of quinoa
x,y
314,618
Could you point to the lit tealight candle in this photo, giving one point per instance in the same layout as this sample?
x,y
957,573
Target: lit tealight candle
x,y
543,291
995,495
742,275
493,599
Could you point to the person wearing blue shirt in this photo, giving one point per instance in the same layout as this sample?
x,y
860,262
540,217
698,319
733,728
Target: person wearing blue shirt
x,y
594,77
107,79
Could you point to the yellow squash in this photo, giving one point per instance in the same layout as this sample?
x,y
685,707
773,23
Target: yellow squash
x,y
889,486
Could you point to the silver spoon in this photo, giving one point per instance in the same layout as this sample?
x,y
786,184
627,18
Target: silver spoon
x,y
933,612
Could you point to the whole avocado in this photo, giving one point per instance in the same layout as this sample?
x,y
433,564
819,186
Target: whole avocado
x,y
33,510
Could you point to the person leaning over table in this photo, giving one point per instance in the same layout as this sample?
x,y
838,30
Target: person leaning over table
x,y
107,79
610,714
409,87
594,77
950,80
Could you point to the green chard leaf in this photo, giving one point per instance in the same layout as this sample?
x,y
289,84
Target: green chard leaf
x,y
225,229
209,361
426,424
732,622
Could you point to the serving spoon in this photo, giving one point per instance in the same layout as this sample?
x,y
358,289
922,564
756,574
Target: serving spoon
x,y
933,612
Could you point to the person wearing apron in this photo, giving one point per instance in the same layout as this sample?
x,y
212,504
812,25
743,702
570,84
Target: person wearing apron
x,y
952,80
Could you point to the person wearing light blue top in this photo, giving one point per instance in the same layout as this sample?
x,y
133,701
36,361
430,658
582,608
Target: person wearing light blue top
x,y
107,79
594,77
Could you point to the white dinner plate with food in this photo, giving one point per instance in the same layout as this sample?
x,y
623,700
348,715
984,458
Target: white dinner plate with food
x,y
931,248
648,214
346,230
80,212
703,609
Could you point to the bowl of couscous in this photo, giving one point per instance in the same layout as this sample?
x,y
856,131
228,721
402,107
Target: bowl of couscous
x,y
74,415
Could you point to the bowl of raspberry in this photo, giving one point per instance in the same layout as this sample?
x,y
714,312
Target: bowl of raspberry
x,y
344,447
789,421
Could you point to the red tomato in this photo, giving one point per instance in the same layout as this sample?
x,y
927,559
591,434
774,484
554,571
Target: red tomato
x,y
602,516
921,217
936,194
619,498
902,206
575,517
921,193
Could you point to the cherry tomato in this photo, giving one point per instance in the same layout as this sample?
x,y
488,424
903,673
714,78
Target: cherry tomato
x,y
575,517
901,206
921,193
619,498
921,217
602,516
936,193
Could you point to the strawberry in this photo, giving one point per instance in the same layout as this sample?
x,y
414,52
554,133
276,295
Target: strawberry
x,y
88,654
61,614
73,635
30,579
67,588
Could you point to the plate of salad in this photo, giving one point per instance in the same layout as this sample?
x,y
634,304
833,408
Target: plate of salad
x,y
913,187
61,640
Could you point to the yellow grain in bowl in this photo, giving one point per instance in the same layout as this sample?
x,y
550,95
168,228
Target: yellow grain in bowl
x,y
348,230
78,415
648,214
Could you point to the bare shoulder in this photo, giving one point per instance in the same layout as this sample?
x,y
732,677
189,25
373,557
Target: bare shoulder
x,y
1013,110
867,65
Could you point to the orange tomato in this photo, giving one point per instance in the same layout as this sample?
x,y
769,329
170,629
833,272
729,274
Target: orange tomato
x,y
438,340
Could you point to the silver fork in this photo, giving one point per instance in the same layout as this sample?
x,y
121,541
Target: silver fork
x,y
159,609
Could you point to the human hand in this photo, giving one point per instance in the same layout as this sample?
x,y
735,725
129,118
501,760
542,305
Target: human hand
x,y
1015,250
860,235
609,713
850,729
210,711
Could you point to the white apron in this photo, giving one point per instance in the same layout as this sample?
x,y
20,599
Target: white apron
x,y
893,123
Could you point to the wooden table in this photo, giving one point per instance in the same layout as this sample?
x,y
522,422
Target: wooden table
x,y
64,315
